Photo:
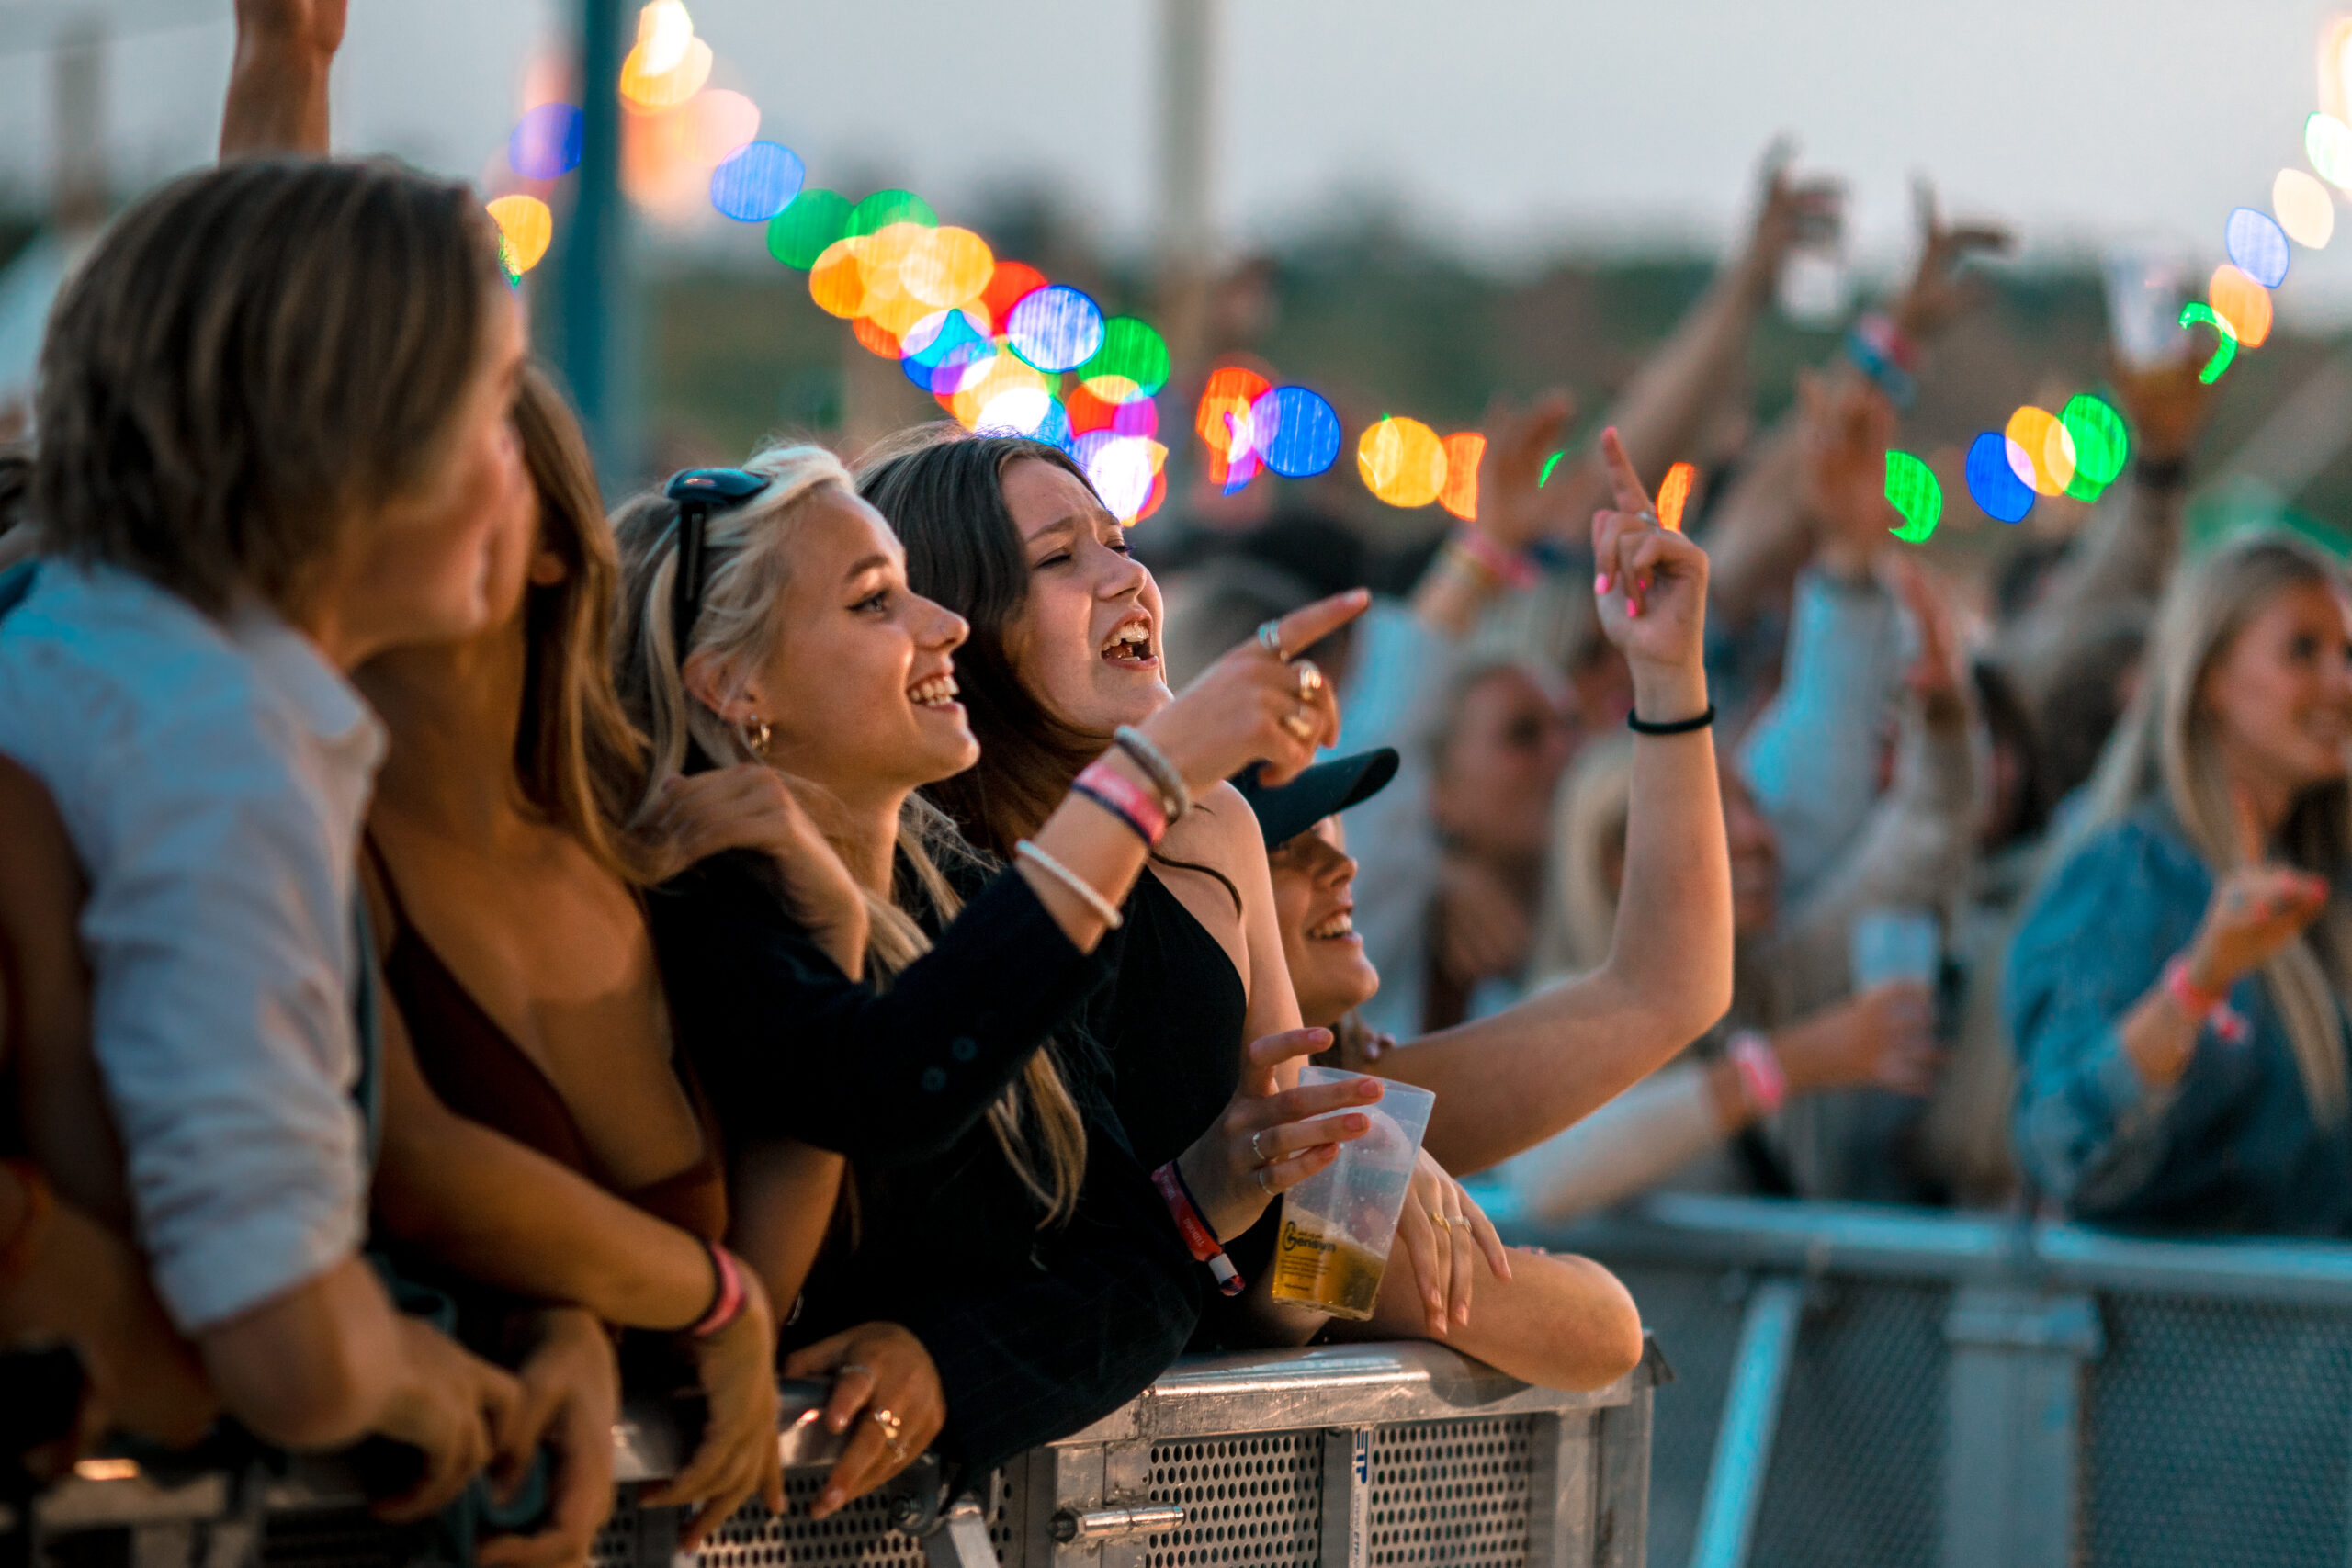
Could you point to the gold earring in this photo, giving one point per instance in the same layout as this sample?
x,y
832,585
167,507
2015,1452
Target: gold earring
x,y
760,733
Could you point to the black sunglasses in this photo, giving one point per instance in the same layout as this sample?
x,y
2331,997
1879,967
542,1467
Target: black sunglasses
x,y
699,492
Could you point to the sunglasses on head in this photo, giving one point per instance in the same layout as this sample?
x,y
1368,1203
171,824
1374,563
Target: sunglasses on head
x,y
699,494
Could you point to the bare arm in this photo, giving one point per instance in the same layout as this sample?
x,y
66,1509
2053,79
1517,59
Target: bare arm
x,y
1505,1083
278,82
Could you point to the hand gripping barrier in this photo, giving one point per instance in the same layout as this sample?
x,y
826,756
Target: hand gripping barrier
x,y
1369,1455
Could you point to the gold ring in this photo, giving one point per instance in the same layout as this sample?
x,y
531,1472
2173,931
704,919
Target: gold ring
x,y
1299,728
886,1420
1310,679
1269,637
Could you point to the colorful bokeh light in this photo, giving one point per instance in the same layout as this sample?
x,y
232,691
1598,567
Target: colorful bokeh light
x,y
1917,496
2101,444
646,88
2224,351
1459,494
2327,142
545,145
809,226
526,227
1056,328
1402,460
2040,451
1993,483
756,182
1123,469
2303,209
1674,495
884,207
2258,245
1296,432
2243,302
1132,363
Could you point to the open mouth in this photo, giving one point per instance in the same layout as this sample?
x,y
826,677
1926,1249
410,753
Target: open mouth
x,y
1340,925
1131,644
938,692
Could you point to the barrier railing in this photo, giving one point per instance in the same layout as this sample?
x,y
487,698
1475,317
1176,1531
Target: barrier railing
x,y
1887,1387
1371,1456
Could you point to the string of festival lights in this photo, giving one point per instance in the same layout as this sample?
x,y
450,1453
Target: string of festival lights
x,y
1003,349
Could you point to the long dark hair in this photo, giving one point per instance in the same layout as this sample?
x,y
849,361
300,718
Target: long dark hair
x,y
946,499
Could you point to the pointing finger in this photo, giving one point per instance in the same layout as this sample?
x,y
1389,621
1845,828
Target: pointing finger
x,y
1624,479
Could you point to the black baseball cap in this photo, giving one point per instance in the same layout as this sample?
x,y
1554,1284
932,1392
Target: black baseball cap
x,y
1321,791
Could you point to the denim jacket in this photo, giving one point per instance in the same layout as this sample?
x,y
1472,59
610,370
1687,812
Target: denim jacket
x,y
2232,1145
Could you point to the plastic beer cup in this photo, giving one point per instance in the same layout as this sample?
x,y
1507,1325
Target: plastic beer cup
x,y
1339,1224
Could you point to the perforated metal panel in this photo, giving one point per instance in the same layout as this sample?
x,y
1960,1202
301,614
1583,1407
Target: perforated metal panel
x,y
1256,1500
2217,1433
1857,1476
335,1537
1455,1491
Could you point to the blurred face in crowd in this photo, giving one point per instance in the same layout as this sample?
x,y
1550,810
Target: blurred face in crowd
x,y
1314,898
1755,857
419,571
1492,795
859,683
1086,643
2280,693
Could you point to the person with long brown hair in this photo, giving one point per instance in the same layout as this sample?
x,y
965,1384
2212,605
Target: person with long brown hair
x,y
1064,651
525,995
1004,1269
2177,989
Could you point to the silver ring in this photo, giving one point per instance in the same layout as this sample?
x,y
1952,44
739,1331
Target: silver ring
x,y
1263,1186
1453,1222
1254,1149
848,1367
1650,517
1269,637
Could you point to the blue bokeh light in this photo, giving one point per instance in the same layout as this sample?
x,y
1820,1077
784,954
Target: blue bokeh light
x,y
1992,484
757,181
1295,431
546,142
2258,246
1056,329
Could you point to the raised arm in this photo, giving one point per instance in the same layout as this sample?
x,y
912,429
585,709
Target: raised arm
x,y
278,82
1506,1082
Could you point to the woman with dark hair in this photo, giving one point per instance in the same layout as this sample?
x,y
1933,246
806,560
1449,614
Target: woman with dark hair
x,y
1004,1269
1065,651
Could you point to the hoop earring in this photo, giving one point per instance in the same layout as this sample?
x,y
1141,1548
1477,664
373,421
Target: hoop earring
x,y
759,736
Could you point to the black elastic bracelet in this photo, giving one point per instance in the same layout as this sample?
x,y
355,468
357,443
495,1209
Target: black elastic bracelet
x,y
1641,726
1116,810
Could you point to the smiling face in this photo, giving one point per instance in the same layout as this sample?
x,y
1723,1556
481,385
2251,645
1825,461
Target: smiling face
x,y
2280,693
1314,900
858,684
1085,643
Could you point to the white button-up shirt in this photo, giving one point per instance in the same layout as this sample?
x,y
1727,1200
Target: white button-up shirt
x,y
214,778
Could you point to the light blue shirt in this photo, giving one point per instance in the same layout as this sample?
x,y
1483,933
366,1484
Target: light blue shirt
x,y
214,778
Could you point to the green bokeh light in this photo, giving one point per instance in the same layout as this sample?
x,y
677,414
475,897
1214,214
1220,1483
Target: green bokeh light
x,y
1131,349
1913,491
808,223
884,207
2101,444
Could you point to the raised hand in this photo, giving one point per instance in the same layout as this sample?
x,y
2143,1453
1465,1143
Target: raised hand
x,y
1940,293
1652,584
1519,442
1258,704
1935,674
1846,426
1789,213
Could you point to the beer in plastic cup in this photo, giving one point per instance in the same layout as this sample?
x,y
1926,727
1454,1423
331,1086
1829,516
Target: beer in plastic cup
x,y
1338,1225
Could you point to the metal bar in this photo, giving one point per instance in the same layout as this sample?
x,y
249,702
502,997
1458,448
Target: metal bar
x,y
962,1539
1619,1468
2012,1410
1347,1496
1768,1341
594,339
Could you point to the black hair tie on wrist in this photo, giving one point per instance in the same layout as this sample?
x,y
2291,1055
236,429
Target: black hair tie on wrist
x,y
1641,726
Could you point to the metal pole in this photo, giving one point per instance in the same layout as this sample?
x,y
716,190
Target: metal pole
x,y
1187,120
1768,1340
595,339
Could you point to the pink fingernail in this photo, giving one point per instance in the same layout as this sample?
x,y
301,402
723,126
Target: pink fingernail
x,y
1633,609
1600,583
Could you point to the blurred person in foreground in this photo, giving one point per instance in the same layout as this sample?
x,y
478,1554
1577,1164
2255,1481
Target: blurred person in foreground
x,y
2177,990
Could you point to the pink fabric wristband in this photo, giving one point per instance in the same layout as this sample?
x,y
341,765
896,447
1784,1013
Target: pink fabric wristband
x,y
1199,1239
1124,798
1761,1077
726,1302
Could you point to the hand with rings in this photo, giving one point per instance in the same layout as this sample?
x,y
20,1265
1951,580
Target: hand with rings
x,y
1269,1139
1258,704
886,1397
1444,1230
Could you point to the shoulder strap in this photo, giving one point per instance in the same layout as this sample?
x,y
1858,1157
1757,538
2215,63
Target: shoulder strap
x,y
385,880
16,583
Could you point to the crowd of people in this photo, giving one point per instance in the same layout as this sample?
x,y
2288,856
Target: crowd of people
x,y
463,952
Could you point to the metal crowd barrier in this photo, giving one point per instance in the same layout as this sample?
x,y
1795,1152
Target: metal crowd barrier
x,y
1371,1456
1886,1387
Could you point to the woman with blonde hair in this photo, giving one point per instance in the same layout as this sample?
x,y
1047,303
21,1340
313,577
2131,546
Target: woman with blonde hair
x,y
1004,1269
2175,991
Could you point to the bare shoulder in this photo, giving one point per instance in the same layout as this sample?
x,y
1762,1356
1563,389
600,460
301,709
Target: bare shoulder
x,y
1220,830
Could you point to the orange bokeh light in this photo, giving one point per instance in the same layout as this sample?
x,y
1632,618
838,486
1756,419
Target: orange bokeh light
x,y
2243,303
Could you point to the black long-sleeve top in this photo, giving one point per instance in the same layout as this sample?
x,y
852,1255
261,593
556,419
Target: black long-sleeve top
x,y
788,1047
1035,1331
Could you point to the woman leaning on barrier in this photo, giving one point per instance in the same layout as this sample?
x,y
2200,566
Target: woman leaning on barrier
x,y
2175,992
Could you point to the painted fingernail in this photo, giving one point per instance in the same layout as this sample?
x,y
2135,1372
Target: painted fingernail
x,y
1633,609
1600,583
1462,1314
